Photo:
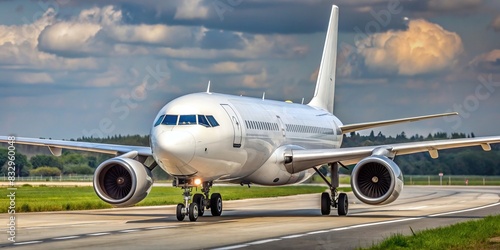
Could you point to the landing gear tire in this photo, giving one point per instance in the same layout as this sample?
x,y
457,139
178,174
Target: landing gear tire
x,y
216,204
179,212
343,204
193,211
200,200
326,203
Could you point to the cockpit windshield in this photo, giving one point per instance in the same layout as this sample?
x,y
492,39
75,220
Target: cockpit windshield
x,y
187,120
170,120
206,121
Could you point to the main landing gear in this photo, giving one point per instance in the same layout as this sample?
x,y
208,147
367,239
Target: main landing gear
x,y
199,201
333,198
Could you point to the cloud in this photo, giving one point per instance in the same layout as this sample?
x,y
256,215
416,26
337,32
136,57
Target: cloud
x,y
226,67
19,51
102,32
423,48
71,39
487,62
191,9
250,47
451,5
495,23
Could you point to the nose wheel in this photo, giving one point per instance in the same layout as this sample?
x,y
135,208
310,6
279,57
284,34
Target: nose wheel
x,y
199,203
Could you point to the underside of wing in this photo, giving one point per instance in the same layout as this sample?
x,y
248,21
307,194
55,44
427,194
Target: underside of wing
x,y
55,146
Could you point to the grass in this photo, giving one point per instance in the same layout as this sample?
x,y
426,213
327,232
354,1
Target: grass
x,y
46,198
476,234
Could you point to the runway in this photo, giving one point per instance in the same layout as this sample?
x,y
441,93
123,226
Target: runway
x,y
285,222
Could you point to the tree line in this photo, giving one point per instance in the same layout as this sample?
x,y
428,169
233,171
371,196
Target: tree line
x,y
460,161
463,161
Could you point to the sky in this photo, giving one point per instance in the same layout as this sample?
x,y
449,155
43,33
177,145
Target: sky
x,y
96,68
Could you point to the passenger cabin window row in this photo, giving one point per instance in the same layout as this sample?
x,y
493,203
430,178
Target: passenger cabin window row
x,y
262,125
203,120
308,129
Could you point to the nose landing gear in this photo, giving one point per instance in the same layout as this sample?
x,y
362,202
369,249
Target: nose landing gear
x,y
200,201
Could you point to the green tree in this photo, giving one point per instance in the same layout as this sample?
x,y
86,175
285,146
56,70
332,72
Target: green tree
x,y
45,171
46,160
22,165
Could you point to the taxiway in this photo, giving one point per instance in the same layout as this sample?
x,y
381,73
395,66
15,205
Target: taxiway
x,y
285,222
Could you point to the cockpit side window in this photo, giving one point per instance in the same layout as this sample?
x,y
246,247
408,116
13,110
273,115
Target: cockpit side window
x,y
170,120
212,121
202,120
160,119
187,120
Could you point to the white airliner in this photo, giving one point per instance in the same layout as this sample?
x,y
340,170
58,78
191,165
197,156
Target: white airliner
x,y
206,137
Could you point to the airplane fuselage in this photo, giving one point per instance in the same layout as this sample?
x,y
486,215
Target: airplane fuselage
x,y
240,146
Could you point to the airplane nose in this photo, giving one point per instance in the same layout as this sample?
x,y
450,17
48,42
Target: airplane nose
x,y
179,145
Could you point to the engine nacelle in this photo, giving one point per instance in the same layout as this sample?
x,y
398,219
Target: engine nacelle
x,y
122,181
377,180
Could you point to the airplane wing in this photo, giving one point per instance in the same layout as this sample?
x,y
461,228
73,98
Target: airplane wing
x,y
361,126
56,146
299,160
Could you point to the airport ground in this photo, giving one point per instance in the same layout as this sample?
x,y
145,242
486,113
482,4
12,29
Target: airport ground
x,y
285,222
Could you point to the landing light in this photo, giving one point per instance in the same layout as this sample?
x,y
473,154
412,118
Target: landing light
x,y
197,182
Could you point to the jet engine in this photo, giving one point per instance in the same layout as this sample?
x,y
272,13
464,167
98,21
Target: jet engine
x,y
122,181
377,180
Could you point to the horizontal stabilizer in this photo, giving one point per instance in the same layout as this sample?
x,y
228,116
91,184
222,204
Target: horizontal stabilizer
x,y
361,126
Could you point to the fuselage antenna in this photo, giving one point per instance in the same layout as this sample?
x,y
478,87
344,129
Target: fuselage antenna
x,y
208,87
264,96
302,100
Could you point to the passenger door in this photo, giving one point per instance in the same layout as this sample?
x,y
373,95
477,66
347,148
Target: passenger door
x,y
236,125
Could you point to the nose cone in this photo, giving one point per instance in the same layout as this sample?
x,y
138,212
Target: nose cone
x,y
176,147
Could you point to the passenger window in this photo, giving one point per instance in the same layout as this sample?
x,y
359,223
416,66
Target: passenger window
x,y
170,120
160,119
202,120
212,121
187,120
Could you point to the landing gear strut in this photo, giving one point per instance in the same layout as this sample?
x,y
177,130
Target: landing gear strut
x,y
333,198
200,201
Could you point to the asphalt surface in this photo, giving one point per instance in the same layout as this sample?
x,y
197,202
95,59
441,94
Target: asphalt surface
x,y
292,222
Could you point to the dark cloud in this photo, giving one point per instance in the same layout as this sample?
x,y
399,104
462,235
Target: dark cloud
x,y
270,17
221,40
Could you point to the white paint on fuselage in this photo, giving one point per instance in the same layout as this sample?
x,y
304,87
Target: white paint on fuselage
x,y
266,126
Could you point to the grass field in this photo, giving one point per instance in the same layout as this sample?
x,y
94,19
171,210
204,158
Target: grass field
x,y
46,198
459,180
477,234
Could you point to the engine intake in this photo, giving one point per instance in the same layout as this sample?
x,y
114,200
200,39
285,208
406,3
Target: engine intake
x,y
122,181
377,180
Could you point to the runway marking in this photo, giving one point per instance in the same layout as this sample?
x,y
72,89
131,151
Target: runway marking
x,y
318,232
352,227
160,227
233,247
292,236
262,241
129,231
27,242
98,234
67,237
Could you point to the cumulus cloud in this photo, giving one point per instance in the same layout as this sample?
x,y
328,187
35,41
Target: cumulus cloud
x,y
102,31
191,9
487,62
19,50
495,23
421,49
